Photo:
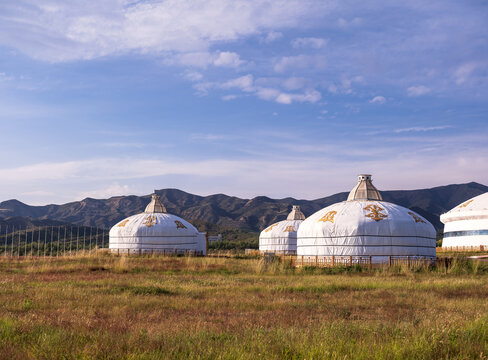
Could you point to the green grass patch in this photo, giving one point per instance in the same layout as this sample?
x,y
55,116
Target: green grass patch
x,y
138,290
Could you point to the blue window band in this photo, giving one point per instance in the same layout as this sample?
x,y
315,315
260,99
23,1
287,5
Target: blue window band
x,y
465,233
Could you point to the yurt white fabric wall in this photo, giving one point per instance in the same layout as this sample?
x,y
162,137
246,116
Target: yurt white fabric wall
x,y
156,231
281,237
467,223
366,226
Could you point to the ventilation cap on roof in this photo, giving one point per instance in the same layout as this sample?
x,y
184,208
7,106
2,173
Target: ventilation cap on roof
x,y
155,206
295,214
364,190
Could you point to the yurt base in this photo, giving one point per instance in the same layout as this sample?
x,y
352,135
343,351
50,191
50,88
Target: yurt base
x,y
164,252
367,261
333,261
480,248
254,252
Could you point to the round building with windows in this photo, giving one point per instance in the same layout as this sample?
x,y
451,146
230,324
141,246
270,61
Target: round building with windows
x,y
467,224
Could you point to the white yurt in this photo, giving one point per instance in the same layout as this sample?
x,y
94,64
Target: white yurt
x,y
467,223
365,225
281,237
155,230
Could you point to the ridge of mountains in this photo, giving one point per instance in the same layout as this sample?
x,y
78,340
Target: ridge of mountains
x,y
219,212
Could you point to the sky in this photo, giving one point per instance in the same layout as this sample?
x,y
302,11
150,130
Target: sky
x,y
247,98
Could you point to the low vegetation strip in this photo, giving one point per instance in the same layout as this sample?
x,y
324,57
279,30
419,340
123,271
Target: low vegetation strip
x,y
238,308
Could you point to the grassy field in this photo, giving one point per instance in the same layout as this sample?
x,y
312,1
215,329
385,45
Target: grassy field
x,y
200,308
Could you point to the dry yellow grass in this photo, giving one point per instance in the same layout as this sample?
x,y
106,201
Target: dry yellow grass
x,y
119,307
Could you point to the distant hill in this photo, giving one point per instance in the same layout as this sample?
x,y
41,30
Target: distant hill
x,y
19,222
227,212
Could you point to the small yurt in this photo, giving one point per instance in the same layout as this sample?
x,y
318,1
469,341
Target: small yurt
x,y
281,237
467,223
155,230
366,226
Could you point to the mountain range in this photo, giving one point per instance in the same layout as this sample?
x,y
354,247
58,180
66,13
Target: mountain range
x,y
217,212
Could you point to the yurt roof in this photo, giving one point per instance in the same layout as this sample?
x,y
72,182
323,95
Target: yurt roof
x,y
365,213
474,208
154,221
285,227
366,218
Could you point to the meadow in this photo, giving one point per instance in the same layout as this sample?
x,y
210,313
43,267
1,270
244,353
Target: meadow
x,y
111,307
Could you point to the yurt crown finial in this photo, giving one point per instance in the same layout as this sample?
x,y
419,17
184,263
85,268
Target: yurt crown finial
x,y
364,189
296,213
155,206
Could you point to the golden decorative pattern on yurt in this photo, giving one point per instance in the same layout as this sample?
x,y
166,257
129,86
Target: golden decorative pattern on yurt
x,y
375,212
466,204
416,217
123,223
329,216
151,220
179,225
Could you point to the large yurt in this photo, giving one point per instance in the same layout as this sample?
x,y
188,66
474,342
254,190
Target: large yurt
x,y
281,237
155,230
467,223
366,226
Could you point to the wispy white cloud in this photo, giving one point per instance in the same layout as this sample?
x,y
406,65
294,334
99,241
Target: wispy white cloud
x,y
422,129
348,23
247,84
290,63
229,97
4,77
39,197
192,76
197,33
123,145
65,31
228,59
304,173
37,193
412,129
370,49
105,169
203,59
114,189
271,36
311,96
463,73
271,94
244,83
209,137
295,83
418,90
378,100
312,42
345,85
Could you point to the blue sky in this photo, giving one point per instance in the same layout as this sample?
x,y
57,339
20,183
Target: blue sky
x,y
277,98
